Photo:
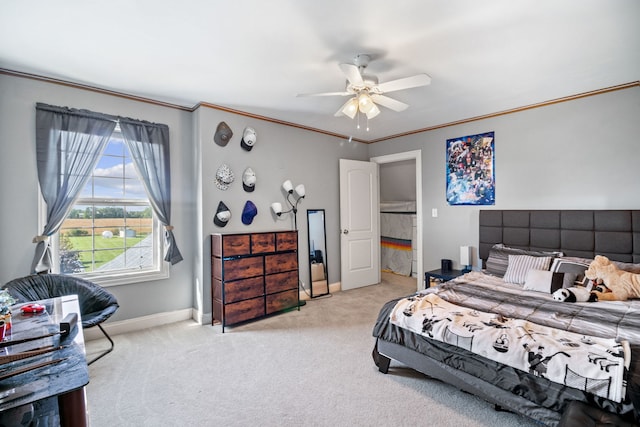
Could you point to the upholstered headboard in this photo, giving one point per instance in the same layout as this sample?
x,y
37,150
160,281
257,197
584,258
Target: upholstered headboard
x,y
578,233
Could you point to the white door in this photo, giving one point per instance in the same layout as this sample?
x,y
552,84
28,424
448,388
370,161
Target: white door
x,y
359,242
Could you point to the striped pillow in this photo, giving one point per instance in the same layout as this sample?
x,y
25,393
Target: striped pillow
x,y
498,259
519,265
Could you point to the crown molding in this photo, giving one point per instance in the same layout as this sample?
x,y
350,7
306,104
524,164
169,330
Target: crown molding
x,y
308,128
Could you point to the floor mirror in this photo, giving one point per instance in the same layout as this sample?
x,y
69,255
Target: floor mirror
x,y
317,253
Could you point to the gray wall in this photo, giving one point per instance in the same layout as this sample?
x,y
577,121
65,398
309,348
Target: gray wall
x,y
397,181
19,187
581,154
281,153
577,154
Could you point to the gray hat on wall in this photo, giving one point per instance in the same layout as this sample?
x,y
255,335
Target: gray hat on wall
x,y
223,134
222,216
248,138
224,177
249,180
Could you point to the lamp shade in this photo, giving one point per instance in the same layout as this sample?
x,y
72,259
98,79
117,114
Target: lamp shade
x,y
288,186
374,111
465,255
300,191
276,208
350,108
365,102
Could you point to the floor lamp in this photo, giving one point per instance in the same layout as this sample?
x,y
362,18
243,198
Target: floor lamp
x,y
294,197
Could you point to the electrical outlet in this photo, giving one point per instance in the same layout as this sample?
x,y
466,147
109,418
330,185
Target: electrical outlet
x,y
434,212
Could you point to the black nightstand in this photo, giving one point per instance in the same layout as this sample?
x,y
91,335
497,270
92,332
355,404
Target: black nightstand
x,y
442,275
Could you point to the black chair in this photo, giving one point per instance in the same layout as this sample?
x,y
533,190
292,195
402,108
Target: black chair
x,y
96,304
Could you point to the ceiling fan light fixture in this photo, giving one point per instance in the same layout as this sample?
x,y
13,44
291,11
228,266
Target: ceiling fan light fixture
x,y
366,93
350,109
365,102
373,112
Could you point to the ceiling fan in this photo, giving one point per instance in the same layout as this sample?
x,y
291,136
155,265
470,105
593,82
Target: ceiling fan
x,y
366,92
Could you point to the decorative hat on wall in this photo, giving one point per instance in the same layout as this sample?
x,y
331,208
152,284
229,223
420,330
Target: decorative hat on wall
x,y
248,138
224,177
249,212
223,134
222,216
249,180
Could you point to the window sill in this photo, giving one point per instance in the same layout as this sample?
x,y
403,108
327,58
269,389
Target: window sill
x,y
126,278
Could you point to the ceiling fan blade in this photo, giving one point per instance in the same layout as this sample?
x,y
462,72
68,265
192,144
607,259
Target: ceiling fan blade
x,y
323,94
390,103
352,73
405,83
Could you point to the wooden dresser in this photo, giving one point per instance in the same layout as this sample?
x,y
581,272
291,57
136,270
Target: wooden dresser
x,y
253,275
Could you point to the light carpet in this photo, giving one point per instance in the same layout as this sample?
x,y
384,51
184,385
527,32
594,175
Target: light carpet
x,y
311,367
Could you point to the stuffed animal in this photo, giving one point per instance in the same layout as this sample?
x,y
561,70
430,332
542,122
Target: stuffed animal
x,y
621,285
574,294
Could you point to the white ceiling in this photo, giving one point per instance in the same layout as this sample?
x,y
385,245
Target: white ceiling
x,y
256,55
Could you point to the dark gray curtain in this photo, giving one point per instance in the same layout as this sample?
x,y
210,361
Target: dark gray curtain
x,y
149,146
69,143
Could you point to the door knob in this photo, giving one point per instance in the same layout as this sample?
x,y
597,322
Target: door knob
x,y
345,231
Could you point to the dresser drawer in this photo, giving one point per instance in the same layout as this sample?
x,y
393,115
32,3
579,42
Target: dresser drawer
x,y
230,245
243,310
282,300
242,268
281,262
243,289
281,282
262,243
286,241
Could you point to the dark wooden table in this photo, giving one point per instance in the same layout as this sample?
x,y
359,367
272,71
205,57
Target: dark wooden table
x,y
66,376
442,275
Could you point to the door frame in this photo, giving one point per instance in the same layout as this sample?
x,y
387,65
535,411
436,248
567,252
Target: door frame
x,y
398,157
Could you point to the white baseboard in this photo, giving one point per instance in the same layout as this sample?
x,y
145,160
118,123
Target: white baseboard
x,y
144,322
139,323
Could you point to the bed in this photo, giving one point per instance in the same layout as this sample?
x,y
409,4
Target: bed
x,y
570,239
397,234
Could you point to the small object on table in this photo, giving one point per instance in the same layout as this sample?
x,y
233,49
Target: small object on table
x,y
27,368
32,308
68,323
27,354
9,343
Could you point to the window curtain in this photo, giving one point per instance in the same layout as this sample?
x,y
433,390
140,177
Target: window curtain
x,y
149,146
69,143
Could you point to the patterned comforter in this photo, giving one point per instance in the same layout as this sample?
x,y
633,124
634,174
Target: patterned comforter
x,y
592,364
484,295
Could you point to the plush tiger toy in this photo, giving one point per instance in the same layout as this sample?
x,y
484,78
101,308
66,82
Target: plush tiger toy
x,y
620,285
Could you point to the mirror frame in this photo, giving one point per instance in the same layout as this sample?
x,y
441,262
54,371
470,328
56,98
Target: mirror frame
x,y
312,252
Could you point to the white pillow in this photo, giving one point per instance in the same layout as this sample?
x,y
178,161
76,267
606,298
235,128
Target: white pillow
x,y
543,281
519,265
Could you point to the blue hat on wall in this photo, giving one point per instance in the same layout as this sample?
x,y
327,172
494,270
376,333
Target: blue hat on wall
x,y
249,212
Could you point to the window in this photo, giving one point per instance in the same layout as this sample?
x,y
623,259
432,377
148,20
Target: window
x,y
111,234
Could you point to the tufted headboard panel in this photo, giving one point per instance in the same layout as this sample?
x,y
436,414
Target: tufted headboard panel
x,y
578,233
